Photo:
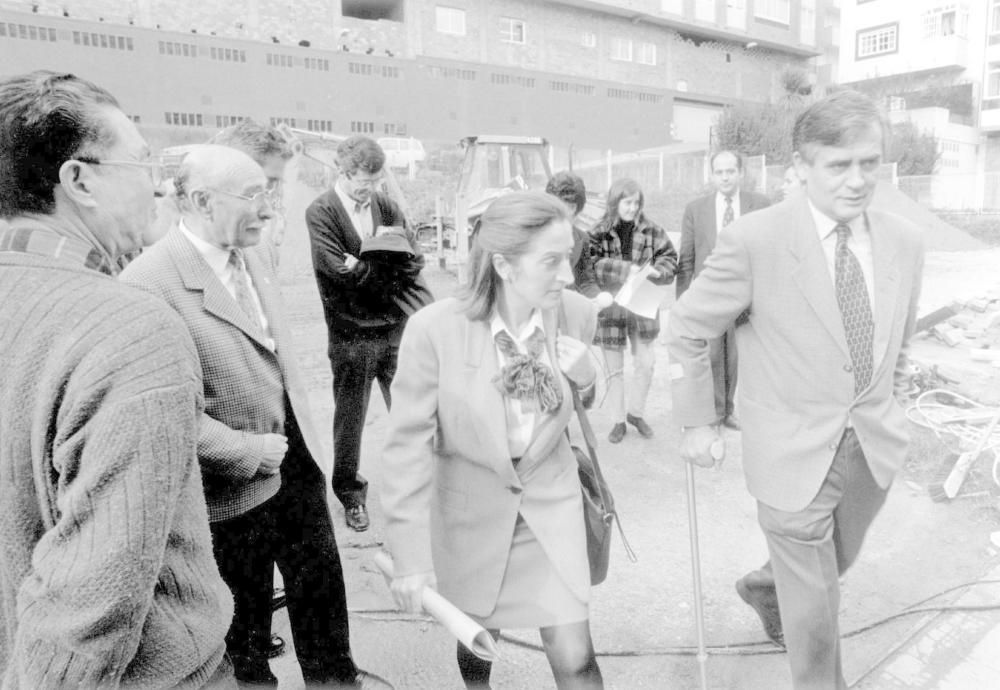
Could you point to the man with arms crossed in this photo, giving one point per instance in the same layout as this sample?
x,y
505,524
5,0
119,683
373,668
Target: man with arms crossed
x,y
831,288
704,220
266,494
106,570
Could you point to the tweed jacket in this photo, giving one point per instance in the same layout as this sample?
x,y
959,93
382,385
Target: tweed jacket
x,y
246,383
796,394
699,231
650,244
450,492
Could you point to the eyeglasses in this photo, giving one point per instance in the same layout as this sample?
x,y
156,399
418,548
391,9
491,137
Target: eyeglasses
x,y
154,168
371,182
267,196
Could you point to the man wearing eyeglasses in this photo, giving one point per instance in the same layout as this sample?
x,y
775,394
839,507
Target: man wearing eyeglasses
x,y
364,301
266,493
107,574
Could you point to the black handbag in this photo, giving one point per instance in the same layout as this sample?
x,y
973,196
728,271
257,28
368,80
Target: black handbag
x,y
598,503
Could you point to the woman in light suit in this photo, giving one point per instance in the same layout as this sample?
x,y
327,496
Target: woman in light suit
x,y
480,486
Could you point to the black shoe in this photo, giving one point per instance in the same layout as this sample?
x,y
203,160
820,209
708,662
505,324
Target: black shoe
x,y
252,670
268,647
362,679
730,421
617,433
639,423
356,517
764,601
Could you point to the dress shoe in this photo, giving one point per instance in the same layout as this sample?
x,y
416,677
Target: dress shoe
x,y
268,647
252,671
357,517
617,433
639,423
363,679
730,421
764,601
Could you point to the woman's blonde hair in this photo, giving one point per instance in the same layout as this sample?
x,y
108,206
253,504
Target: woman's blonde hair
x,y
507,227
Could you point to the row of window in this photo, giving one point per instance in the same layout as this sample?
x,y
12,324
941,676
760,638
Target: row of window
x,y
184,119
28,32
228,120
629,95
451,73
178,49
387,71
279,59
290,121
570,87
946,20
319,125
228,54
362,127
512,80
96,40
621,49
318,64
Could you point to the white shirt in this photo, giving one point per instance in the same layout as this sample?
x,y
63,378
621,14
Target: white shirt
x,y
720,209
520,418
860,244
218,260
361,219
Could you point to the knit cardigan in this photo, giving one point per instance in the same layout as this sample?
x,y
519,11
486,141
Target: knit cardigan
x,y
106,571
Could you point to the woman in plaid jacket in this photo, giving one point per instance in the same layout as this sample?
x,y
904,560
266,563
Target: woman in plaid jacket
x,y
622,241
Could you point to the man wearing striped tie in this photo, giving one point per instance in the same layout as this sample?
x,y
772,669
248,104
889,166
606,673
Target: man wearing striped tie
x,y
831,288
705,219
261,458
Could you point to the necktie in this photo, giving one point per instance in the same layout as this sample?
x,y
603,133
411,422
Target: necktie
x,y
855,309
525,377
729,214
242,285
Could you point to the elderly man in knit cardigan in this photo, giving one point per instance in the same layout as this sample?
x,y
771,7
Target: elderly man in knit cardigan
x,y
106,570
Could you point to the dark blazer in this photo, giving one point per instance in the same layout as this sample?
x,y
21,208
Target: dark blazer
x,y
365,296
698,233
245,381
796,391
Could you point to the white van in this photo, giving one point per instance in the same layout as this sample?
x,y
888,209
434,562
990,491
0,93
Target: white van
x,y
401,151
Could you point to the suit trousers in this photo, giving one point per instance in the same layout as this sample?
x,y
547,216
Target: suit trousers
x,y
809,551
357,361
722,353
293,530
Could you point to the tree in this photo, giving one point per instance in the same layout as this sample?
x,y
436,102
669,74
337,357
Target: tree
x,y
914,152
753,129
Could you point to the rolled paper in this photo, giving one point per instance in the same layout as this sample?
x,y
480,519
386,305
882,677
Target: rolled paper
x,y
465,630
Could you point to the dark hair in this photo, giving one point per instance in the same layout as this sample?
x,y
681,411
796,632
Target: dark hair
x,y
358,152
568,187
734,154
260,142
46,119
619,190
507,227
836,120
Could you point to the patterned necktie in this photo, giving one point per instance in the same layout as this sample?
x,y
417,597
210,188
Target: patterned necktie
x,y
242,285
525,377
855,309
729,214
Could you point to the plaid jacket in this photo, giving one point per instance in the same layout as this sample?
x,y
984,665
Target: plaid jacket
x,y
649,244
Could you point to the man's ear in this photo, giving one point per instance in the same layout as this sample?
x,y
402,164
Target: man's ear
x,y
201,202
77,181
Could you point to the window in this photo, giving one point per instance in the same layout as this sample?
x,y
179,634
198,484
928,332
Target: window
x,y
704,10
647,54
32,33
995,17
589,39
774,10
621,49
449,20
807,22
736,13
175,49
993,81
512,30
674,6
947,20
184,119
878,40
360,127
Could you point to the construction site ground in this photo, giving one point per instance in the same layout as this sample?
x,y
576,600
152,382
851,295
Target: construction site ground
x,y
642,617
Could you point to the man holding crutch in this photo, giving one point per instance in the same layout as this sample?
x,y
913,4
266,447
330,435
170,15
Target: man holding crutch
x,y
831,288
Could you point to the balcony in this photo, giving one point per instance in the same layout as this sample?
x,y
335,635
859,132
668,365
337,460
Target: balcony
x,y
989,115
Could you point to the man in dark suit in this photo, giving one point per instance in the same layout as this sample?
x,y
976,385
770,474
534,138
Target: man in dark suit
x,y
831,288
704,220
257,446
363,302
569,188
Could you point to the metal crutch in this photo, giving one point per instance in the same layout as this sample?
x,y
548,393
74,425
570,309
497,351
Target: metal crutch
x,y
718,450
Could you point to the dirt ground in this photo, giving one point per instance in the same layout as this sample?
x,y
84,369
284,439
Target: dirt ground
x,y
642,616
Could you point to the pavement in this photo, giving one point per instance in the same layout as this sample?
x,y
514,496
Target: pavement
x,y
642,617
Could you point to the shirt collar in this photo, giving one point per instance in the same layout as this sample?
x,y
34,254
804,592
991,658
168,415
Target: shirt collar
x,y
34,238
825,225
535,321
346,200
216,257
